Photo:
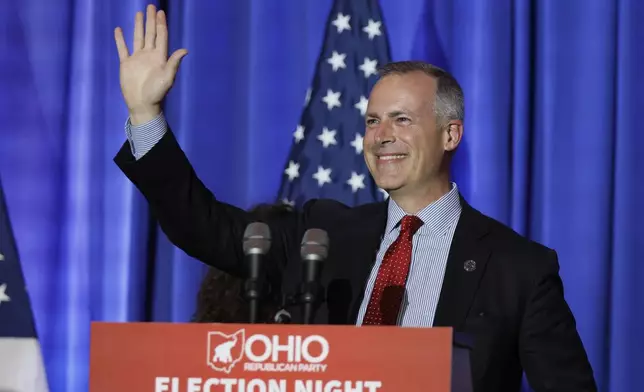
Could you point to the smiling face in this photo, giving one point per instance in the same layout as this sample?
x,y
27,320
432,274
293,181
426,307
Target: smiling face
x,y
404,147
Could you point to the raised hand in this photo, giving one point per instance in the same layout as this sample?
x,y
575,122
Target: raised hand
x,y
147,74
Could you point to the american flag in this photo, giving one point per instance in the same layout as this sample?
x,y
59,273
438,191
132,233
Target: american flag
x,y
21,365
326,158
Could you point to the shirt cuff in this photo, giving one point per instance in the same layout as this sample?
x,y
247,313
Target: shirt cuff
x,y
145,136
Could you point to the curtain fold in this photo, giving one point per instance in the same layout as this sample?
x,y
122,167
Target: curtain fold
x,y
552,147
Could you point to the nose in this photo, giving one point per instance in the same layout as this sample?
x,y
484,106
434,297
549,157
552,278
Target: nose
x,y
385,134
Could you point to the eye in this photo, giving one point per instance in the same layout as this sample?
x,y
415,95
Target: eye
x,y
403,120
371,121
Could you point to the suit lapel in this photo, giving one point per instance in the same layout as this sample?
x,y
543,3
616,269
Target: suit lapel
x,y
465,266
371,221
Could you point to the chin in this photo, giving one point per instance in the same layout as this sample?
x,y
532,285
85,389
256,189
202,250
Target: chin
x,y
389,184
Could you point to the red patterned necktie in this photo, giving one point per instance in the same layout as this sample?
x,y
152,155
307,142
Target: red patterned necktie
x,y
389,287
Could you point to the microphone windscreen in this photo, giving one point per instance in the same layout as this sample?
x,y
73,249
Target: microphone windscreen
x,y
257,238
315,244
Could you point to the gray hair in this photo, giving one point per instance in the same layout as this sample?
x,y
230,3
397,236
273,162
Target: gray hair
x,y
449,103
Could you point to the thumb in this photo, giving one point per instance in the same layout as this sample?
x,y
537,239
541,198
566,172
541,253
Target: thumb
x,y
174,61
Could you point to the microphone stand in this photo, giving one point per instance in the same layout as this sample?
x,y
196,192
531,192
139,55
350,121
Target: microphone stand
x,y
252,288
308,299
310,287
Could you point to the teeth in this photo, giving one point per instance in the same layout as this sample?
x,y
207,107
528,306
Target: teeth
x,y
391,157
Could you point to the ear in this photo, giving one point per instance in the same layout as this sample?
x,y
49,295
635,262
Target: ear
x,y
453,135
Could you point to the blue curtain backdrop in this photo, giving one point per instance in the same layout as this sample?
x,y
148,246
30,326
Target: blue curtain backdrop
x,y
552,89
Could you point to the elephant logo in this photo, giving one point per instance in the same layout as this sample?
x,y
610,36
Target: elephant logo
x,y
224,351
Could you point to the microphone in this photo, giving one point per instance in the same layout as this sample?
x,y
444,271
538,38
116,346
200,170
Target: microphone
x,y
257,242
314,250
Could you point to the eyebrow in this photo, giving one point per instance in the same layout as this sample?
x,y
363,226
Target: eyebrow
x,y
395,113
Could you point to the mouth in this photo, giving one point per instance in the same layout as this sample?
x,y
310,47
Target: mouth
x,y
391,157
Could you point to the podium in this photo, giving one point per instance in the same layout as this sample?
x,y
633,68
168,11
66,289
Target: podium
x,y
193,357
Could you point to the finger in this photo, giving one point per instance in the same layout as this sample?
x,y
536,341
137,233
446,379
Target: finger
x,y
151,27
138,32
121,46
162,34
174,61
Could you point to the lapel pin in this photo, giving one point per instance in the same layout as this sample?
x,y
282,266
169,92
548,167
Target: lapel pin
x,y
469,266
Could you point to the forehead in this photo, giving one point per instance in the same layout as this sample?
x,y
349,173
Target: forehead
x,y
413,90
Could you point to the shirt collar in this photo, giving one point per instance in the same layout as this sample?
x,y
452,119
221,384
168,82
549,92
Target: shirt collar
x,y
437,216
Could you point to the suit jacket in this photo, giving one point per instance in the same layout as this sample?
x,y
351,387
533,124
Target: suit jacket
x,y
511,303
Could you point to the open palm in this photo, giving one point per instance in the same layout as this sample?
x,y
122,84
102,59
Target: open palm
x,y
147,74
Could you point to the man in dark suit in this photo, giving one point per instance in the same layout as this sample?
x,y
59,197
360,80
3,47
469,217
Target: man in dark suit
x,y
422,258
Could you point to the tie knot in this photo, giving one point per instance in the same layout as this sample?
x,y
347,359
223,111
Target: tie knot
x,y
410,224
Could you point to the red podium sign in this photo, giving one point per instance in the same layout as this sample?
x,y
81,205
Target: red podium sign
x,y
169,357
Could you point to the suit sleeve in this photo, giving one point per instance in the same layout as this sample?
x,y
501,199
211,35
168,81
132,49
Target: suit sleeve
x,y
551,351
190,215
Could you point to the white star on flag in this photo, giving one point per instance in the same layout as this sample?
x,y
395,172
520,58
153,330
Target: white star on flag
x,y
373,28
1,257
299,134
356,181
384,193
292,171
341,22
369,67
362,105
331,99
288,202
322,176
327,137
3,293
337,60
357,143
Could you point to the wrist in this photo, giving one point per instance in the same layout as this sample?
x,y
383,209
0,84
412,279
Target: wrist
x,y
144,115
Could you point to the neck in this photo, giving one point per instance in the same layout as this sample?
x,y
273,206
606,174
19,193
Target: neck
x,y
412,202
